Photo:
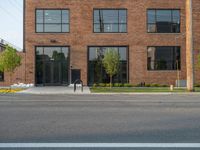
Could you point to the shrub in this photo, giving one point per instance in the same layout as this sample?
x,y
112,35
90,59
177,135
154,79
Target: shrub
x,y
116,85
148,85
128,85
165,85
107,85
197,85
102,85
138,85
121,85
155,85
95,85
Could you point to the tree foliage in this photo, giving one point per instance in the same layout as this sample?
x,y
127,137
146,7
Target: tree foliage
x,y
9,59
111,62
198,62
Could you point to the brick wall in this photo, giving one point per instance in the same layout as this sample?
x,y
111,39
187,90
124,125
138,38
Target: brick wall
x,y
18,75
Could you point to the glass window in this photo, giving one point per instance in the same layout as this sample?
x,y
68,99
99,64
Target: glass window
x,y
39,14
52,21
52,16
96,71
1,76
112,21
52,65
163,21
163,58
151,16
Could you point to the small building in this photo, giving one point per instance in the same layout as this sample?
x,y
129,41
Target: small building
x,y
19,74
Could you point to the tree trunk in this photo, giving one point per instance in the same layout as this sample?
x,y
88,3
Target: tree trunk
x,y
10,81
110,81
189,47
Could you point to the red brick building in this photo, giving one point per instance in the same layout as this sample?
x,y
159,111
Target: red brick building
x,y
66,39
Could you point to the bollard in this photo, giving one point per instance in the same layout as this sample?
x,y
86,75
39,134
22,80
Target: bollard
x,y
171,87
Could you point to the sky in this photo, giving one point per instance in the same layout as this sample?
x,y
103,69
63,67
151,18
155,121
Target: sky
x,y
11,21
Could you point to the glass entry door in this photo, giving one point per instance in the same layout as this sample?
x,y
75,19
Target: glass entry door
x,y
52,66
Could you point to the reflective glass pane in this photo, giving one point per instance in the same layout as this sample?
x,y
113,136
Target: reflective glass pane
x,y
163,58
52,27
151,28
97,73
164,16
93,53
39,72
151,16
110,16
122,28
65,51
111,27
65,27
122,16
52,16
176,16
39,53
1,76
52,53
97,15
39,16
96,27
65,16
123,53
39,28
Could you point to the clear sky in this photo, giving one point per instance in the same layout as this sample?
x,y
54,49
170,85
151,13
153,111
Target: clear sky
x,y
11,21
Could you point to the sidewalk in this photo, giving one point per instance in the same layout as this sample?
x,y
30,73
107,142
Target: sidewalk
x,y
55,90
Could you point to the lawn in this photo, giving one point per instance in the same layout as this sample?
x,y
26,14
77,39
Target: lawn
x,y
10,91
136,89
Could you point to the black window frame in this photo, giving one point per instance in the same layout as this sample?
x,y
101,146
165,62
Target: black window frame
x,y
109,46
2,74
158,9
115,9
154,70
56,46
43,9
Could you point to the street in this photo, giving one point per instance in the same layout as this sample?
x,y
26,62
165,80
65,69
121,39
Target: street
x,y
100,119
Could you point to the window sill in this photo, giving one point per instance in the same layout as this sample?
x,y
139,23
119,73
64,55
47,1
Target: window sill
x,y
164,71
52,32
164,33
110,32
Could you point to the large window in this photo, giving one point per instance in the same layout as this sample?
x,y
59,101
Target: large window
x,y
1,76
96,71
52,65
52,20
108,20
163,21
163,58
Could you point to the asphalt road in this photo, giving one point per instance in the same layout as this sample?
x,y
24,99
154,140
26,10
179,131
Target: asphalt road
x,y
100,119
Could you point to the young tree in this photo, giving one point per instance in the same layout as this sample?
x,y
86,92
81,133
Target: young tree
x,y
9,60
198,61
111,62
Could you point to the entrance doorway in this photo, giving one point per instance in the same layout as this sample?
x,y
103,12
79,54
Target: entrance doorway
x,y
75,74
52,66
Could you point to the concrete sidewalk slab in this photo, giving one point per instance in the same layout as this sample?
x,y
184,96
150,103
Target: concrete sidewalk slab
x,y
55,90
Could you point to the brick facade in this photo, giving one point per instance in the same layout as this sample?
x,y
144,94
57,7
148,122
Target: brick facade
x,y
137,39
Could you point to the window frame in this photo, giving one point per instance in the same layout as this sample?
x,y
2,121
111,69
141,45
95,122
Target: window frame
x,y
2,80
116,9
157,9
167,70
44,46
43,9
109,46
